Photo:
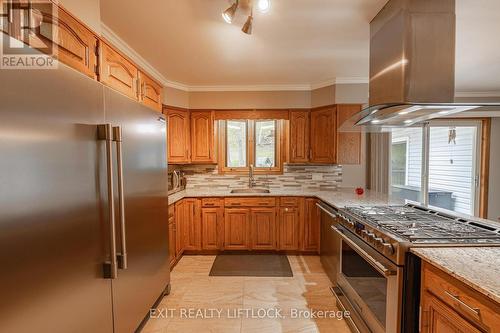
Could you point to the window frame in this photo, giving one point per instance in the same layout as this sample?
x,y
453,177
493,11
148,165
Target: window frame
x,y
405,140
251,148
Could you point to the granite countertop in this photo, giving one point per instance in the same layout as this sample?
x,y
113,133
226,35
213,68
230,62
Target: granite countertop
x,y
339,198
477,267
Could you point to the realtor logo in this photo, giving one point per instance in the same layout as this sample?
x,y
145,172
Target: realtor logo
x,y
28,31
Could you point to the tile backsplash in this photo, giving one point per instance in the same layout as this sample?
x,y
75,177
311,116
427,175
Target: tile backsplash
x,y
300,177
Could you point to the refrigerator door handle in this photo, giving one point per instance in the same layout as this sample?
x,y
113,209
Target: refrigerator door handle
x,y
122,256
109,267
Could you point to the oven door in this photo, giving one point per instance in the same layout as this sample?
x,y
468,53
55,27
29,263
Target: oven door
x,y
370,283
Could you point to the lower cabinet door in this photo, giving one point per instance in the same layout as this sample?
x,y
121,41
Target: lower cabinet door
x,y
439,318
172,255
236,228
192,224
211,228
289,224
311,226
263,228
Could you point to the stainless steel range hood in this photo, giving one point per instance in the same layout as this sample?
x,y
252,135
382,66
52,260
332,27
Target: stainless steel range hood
x,y
412,66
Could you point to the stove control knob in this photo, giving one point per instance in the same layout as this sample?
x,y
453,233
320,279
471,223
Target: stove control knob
x,y
370,235
378,240
388,248
364,233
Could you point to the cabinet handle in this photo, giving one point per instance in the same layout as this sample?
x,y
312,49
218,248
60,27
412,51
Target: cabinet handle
x,y
209,204
456,298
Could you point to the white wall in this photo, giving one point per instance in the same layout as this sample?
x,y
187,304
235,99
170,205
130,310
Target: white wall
x,y
88,11
494,182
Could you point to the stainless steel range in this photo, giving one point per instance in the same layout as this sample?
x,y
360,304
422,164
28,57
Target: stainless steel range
x,y
375,277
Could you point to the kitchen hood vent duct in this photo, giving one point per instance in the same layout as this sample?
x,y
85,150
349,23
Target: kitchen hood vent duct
x,y
412,66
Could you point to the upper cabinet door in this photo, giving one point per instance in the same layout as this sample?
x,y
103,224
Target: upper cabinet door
x,y
56,32
202,137
117,72
178,136
150,92
299,136
348,143
323,136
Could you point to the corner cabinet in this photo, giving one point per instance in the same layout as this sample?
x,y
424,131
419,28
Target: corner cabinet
x,y
311,226
179,136
202,137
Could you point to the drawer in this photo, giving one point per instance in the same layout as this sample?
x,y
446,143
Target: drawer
x,y
289,201
212,202
250,202
461,298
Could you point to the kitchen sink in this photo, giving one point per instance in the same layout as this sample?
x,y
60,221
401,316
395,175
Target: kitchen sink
x,y
250,190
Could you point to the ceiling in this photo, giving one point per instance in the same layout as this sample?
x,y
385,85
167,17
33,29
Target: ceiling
x,y
299,43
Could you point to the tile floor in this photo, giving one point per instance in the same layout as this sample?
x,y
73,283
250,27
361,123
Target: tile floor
x,y
193,290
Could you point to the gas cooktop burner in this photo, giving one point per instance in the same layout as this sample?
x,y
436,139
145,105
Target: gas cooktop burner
x,y
419,225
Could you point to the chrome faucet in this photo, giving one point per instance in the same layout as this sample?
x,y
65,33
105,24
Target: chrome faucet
x,y
251,179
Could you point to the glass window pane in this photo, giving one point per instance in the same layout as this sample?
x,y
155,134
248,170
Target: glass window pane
x,y
406,163
236,136
452,168
265,144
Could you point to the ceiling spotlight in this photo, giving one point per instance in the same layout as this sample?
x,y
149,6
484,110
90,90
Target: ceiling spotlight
x,y
264,5
247,27
228,14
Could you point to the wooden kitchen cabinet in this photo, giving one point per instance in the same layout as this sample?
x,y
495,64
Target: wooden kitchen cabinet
x,y
150,92
348,142
192,225
179,136
236,228
299,136
61,35
311,240
212,222
263,228
117,72
448,305
288,228
323,135
172,240
202,137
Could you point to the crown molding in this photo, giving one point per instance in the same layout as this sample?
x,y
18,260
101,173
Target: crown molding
x,y
121,45
477,94
126,49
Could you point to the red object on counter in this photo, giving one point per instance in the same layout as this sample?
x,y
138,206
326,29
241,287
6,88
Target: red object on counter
x,y
359,191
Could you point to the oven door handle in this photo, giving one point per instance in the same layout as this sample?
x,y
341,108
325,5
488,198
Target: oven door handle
x,y
372,261
326,210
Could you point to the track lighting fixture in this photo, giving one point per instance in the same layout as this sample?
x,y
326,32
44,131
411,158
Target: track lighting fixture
x,y
228,14
263,6
247,27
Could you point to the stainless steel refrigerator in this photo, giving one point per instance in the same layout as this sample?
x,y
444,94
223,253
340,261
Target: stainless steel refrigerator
x,y
83,205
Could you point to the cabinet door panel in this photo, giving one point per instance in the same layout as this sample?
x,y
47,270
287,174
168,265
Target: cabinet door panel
x,y
323,136
311,226
150,92
178,136
192,225
289,228
211,221
171,241
299,136
202,137
59,33
439,318
117,72
263,228
348,143
236,228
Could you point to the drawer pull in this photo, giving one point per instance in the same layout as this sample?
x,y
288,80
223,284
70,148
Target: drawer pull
x,y
456,298
209,204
